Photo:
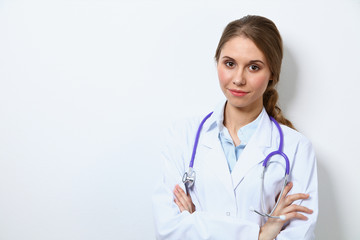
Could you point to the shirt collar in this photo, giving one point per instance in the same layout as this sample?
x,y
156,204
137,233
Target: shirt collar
x,y
217,118
248,130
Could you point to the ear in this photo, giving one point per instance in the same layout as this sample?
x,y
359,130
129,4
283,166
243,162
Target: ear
x,y
271,77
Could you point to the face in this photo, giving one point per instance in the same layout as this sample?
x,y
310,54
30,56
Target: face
x,y
243,73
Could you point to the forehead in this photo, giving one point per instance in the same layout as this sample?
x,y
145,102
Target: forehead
x,y
242,48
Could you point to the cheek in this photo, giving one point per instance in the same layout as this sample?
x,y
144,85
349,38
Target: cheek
x,y
223,75
260,83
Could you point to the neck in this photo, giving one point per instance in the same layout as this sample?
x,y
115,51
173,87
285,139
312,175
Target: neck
x,y
235,118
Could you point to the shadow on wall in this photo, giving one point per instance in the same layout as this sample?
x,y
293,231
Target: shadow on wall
x,y
328,224
288,81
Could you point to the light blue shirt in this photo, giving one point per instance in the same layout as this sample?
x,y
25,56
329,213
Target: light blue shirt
x,y
232,152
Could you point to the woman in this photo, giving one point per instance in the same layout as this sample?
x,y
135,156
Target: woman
x,y
233,144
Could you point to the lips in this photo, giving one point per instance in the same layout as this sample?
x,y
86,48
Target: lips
x,y
237,93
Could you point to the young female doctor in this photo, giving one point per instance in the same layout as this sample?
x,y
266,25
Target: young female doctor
x,y
233,196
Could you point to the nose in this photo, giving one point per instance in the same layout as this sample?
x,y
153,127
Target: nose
x,y
239,78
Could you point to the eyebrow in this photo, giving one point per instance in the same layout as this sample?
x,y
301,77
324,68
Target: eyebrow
x,y
257,61
251,61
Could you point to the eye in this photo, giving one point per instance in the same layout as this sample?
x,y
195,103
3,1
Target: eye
x,y
253,67
230,64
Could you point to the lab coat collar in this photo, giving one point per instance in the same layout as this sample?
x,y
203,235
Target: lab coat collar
x,y
254,153
213,126
216,119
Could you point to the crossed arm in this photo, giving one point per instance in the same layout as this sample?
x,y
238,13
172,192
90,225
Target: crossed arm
x,y
272,227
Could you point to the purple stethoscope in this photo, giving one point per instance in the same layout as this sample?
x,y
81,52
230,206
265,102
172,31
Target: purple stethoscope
x,y
189,176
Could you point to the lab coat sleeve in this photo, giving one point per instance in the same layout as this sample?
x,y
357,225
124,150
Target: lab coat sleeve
x,y
172,224
304,178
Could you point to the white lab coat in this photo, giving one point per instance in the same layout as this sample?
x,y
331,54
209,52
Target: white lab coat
x,y
223,199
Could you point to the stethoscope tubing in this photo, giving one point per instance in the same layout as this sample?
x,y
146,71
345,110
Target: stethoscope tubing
x,y
197,140
280,150
189,176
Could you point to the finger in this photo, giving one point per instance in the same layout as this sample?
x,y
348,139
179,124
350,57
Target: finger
x,y
179,195
298,208
183,198
180,189
187,198
295,215
178,203
193,208
287,189
182,192
297,196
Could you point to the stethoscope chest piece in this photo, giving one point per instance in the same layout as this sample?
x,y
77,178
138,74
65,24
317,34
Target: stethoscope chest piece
x,y
189,176
189,179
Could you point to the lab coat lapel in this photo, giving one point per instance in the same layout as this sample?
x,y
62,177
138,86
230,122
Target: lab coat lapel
x,y
216,159
255,151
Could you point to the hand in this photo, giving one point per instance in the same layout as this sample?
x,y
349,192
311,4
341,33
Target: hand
x,y
182,200
273,226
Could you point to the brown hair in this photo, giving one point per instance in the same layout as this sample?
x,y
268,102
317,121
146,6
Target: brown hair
x,y
266,37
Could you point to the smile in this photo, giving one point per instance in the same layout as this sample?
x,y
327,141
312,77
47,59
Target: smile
x,y
237,93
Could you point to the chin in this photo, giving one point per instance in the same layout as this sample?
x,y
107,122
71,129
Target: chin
x,y
244,104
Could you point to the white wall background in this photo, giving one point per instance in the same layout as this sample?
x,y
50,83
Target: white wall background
x,y
88,87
